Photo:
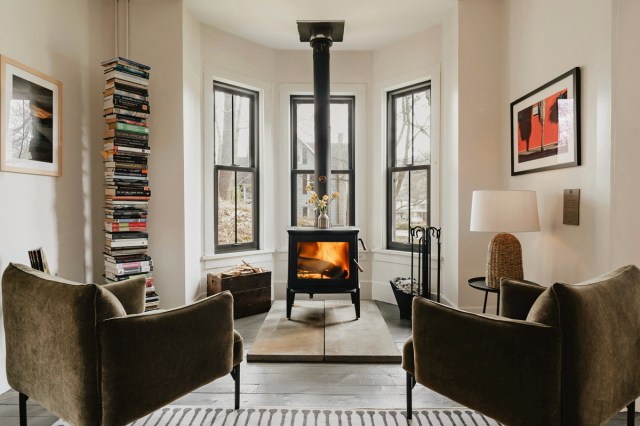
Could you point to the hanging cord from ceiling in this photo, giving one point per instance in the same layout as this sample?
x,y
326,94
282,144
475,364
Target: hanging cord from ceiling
x,y
126,30
116,4
115,14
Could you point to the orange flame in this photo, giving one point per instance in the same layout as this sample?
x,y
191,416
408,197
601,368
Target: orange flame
x,y
323,260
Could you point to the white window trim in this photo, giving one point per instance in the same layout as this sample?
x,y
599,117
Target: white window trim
x,y
286,90
265,159
378,177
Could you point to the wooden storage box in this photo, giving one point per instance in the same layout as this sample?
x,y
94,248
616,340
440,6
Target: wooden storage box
x,y
251,292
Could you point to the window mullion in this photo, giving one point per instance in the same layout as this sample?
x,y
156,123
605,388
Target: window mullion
x,y
233,130
235,200
413,153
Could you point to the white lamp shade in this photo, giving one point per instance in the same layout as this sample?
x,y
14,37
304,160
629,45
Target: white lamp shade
x,y
504,211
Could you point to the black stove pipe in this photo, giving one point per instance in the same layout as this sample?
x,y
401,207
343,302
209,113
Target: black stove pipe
x,y
322,104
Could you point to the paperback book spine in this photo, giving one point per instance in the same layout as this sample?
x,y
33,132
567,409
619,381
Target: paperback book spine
x,y
127,193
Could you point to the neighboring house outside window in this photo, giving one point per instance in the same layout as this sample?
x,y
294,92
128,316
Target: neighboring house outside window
x,y
235,139
341,211
408,162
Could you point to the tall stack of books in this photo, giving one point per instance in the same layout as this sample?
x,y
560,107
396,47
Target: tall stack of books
x,y
127,193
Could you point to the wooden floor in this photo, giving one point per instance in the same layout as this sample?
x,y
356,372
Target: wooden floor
x,y
294,384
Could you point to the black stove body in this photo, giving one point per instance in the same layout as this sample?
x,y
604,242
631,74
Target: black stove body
x,y
323,261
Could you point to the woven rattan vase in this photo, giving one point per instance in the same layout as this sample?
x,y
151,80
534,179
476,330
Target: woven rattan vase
x,y
504,259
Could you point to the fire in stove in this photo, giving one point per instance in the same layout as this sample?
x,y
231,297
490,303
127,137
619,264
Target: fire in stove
x,y
323,260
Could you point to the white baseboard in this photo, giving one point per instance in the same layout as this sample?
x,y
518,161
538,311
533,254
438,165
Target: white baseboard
x,y
382,292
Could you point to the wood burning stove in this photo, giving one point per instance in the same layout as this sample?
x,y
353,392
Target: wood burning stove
x,y
323,261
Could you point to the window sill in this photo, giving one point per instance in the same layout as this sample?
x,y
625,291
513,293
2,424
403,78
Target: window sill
x,y
223,260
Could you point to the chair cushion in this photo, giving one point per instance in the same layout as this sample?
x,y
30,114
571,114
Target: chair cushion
x,y
130,293
545,309
108,305
517,297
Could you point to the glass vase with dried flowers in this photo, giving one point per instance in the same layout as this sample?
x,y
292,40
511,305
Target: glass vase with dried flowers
x,y
321,205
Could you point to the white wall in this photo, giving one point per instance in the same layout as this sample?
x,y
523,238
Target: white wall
x,y
61,40
410,54
296,66
156,40
479,136
411,60
539,46
193,161
449,149
225,57
625,174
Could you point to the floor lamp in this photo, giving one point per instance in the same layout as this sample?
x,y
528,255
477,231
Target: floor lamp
x,y
504,212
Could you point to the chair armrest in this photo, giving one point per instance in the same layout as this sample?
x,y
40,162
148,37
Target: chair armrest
x,y
504,368
517,297
154,358
130,293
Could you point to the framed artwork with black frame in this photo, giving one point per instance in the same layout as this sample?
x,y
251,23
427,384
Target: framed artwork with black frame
x,y
30,120
545,126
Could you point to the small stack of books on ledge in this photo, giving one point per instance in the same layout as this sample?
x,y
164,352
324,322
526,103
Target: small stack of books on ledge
x,y
127,193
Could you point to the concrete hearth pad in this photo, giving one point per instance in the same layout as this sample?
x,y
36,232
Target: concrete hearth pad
x,y
301,339
324,331
365,340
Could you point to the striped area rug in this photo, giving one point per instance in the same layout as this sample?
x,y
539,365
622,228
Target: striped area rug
x,y
200,416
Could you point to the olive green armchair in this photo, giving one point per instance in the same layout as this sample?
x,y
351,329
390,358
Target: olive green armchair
x,y
91,356
563,355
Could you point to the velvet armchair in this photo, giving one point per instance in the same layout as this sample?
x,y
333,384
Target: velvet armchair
x,y
91,356
563,355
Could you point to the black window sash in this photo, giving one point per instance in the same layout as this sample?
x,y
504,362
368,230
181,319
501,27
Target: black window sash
x,y
253,156
392,160
295,171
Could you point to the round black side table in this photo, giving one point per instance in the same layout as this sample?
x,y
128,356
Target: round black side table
x,y
480,283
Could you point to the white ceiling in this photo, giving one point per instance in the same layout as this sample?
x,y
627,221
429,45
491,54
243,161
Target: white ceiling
x,y
370,24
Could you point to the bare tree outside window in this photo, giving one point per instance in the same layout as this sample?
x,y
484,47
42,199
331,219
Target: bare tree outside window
x,y
235,168
409,160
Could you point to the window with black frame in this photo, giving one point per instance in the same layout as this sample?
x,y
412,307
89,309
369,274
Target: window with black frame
x,y
235,169
341,210
408,162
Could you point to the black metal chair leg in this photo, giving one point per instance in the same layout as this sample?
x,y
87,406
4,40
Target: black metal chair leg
x,y
409,401
22,398
631,414
291,297
235,373
498,305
